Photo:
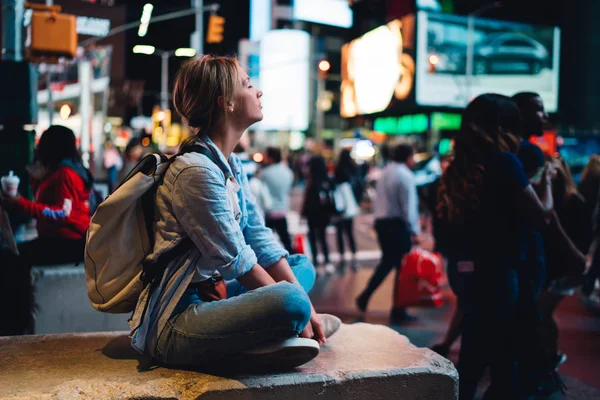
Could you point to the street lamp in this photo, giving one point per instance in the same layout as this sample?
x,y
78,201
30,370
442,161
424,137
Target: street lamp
x,y
143,49
470,29
164,69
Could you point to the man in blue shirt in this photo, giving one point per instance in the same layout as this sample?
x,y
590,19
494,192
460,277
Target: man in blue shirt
x,y
396,210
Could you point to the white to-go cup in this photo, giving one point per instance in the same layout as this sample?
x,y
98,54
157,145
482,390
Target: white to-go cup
x,y
10,184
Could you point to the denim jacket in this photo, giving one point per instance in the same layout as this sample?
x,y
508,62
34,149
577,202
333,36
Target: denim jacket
x,y
200,200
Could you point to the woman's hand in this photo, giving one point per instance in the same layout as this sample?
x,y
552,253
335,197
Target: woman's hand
x,y
7,200
548,173
314,328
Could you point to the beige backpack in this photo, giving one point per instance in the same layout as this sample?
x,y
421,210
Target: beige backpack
x,y
121,236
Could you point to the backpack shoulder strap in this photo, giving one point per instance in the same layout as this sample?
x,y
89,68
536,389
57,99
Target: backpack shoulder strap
x,y
196,148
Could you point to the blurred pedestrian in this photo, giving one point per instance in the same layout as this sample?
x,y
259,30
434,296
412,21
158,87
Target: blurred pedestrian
x,y
532,274
261,193
533,121
346,179
396,213
112,164
278,178
61,185
589,187
575,218
317,208
441,232
134,152
589,184
483,193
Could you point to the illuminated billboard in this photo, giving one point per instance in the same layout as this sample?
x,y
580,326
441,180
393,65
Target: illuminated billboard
x,y
500,57
378,69
284,80
327,12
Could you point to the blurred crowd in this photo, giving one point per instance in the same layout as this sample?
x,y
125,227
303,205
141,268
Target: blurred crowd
x,y
515,230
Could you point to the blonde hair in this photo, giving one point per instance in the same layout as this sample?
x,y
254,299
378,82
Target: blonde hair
x,y
198,85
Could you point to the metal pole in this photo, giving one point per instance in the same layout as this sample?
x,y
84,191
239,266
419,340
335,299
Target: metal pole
x,y
85,109
320,117
12,21
469,66
197,39
470,29
164,81
50,103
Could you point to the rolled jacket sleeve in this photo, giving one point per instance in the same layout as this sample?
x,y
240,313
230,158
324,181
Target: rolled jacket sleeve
x,y
201,206
257,235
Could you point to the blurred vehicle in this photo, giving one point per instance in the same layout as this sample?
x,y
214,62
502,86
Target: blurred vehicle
x,y
498,53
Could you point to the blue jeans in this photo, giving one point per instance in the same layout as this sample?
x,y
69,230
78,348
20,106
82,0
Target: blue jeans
x,y
206,332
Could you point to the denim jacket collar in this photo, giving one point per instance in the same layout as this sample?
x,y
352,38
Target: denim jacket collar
x,y
223,163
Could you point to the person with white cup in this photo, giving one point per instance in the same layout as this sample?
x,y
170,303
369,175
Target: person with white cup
x,y
61,187
10,184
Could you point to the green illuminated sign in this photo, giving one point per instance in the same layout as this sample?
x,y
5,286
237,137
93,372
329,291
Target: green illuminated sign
x,y
445,147
405,125
446,121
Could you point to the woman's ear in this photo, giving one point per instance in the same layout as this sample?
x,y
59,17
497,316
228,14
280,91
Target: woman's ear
x,y
220,101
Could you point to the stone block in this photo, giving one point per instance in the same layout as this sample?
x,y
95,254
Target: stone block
x,y
361,361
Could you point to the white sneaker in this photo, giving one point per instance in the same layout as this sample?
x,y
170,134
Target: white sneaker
x,y
287,353
331,324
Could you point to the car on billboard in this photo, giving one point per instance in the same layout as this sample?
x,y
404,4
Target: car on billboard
x,y
498,53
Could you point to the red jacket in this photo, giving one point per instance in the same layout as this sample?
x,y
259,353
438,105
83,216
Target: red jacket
x,y
55,218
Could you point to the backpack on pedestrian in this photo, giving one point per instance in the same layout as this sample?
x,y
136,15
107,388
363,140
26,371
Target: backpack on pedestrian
x,y
121,236
331,199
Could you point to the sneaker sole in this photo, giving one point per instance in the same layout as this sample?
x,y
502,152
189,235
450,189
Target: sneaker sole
x,y
288,354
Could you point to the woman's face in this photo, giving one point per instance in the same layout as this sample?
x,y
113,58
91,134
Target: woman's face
x,y
246,108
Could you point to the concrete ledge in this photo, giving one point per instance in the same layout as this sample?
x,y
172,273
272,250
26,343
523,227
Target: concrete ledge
x,y
63,304
361,361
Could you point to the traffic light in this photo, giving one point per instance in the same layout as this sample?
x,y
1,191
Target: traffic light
x,y
51,35
215,29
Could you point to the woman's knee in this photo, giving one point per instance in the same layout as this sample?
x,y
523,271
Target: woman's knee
x,y
291,304
303,270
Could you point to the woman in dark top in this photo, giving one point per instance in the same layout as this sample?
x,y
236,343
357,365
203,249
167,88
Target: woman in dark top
x,y
486,194
316,208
